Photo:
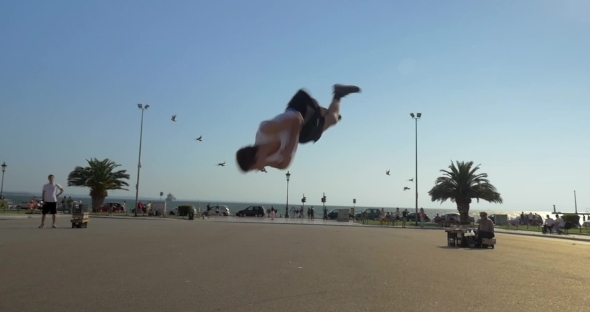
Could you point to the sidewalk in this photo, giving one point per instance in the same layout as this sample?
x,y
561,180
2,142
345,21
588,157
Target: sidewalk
x,y
583,238
298,221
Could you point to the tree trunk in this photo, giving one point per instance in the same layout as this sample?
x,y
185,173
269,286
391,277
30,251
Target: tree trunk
x,y
97,203
463,209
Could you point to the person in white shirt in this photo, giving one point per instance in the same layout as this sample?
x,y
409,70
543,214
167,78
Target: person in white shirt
x,y
548,227
50,199
559,224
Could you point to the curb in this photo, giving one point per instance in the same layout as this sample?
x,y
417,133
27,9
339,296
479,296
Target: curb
x,y
282,223
133,218
332,223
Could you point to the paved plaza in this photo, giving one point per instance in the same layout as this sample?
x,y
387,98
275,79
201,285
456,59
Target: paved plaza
x,y
206,265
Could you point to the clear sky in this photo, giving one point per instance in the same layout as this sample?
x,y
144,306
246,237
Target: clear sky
x,y
502,83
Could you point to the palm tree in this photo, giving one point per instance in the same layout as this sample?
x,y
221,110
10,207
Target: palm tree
x,y
460,184
100,177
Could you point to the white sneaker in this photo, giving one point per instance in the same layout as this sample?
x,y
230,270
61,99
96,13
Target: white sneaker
x,y
53,226
41,226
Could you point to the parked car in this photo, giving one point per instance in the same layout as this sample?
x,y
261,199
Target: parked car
x,y
223,210
252,211
371,213
447,216
333,214
25,205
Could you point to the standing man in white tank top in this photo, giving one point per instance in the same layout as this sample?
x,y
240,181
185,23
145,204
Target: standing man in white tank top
x,y
302,122
49,196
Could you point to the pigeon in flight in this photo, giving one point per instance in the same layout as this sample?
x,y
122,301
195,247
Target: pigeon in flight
x,y
411,180
406,188
200,139
387,172
221,164
173,118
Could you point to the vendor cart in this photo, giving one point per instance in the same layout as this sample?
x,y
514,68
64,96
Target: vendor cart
x,y
80,216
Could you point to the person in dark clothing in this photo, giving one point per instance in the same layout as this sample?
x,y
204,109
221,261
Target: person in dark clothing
x,y
485,229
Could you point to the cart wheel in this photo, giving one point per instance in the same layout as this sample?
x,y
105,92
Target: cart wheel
x,y
493,246
85,225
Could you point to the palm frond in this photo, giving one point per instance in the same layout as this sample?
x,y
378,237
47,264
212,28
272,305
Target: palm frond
x,y
461,183
99,176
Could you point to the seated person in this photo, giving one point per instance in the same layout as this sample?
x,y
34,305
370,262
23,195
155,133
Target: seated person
x,y
485,229
548,227
437,219
559,224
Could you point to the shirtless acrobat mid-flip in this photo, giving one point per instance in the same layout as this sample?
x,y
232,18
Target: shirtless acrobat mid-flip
x,y
302,122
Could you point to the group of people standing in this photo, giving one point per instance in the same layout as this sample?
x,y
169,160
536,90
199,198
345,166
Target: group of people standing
x,y
298,212
403,216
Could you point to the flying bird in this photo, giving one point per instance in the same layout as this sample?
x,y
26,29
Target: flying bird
x,y
406,188
221,164
173,118
200,139
411,180
387,172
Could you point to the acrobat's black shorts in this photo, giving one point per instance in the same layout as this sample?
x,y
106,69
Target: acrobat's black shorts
x,y
313,121
50,208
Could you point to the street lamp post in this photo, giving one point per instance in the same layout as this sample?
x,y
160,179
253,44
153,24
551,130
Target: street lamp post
x,y
2,186
288,175
575,199
324,207
142,108
418,115
303,200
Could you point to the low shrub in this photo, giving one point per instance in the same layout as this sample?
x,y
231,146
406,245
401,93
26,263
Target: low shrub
x,y
571,217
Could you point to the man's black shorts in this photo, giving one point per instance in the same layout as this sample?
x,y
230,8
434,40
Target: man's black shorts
x,y
313,121
49,208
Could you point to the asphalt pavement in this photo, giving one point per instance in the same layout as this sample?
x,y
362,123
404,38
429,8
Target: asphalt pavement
x,y
141,265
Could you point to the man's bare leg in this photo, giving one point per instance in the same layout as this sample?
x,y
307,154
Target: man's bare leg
x,y
332,114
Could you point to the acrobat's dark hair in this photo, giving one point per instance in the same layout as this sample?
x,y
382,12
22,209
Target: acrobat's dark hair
x,y
246,157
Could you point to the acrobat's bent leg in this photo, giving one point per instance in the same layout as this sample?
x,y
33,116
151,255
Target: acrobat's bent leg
x,y
332,114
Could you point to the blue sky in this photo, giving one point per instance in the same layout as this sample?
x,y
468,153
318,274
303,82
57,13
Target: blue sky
x,y
502,83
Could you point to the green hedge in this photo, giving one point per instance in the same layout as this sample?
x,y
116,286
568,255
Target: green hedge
x,y
571,217
183,210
